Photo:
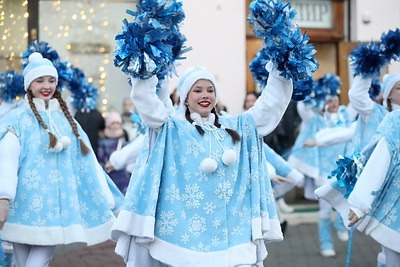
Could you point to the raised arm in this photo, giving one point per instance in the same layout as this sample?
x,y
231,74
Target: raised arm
x,y
271,105
359,96
151,108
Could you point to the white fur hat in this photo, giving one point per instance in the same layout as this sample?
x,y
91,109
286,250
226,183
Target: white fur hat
x,y
190,77
389,80
38,67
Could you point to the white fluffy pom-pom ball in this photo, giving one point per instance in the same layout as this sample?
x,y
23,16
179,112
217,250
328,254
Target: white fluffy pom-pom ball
x,y
208,165
65,141
229,157
35,56
57,148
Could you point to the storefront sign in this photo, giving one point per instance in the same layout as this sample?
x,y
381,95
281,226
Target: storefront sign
x,y
314,13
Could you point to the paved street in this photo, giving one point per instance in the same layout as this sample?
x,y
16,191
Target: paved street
x,y
299,248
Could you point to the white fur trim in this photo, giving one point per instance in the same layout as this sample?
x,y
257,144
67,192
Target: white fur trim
x,y
45,236
40,104
389,80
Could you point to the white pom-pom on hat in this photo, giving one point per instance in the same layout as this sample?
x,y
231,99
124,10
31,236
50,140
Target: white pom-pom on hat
x,y
229,157
35,56
208,165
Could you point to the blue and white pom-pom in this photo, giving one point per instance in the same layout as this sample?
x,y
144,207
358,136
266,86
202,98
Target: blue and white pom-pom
x,y
347,172
390,45
11,85
301,89
269,17
367,60
152,43
257,68
83,94
374,89
285,45
325,88
160,14
63,68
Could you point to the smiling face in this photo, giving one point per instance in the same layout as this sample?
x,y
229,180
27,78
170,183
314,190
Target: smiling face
x,y
394,95
201,98
332,104
43,87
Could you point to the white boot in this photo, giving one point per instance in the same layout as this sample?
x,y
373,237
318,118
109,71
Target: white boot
x,y
285,208
328,252
343,235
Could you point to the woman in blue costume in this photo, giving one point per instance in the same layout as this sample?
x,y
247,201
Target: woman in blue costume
x,y
367,62
370,113
323,136
373,203
199,197
52,190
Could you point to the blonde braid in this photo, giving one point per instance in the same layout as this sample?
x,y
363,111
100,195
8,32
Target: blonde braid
x,y
84,149
53,139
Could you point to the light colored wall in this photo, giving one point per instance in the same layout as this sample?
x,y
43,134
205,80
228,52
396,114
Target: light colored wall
x,y
383,15
215,29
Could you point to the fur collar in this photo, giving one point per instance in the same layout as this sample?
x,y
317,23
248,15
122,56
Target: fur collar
x,y
40,104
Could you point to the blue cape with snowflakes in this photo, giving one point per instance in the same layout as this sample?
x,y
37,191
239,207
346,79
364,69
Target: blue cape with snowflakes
x,y
366,128
59,198
384,217
190,218
382,222
317,162
283,169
